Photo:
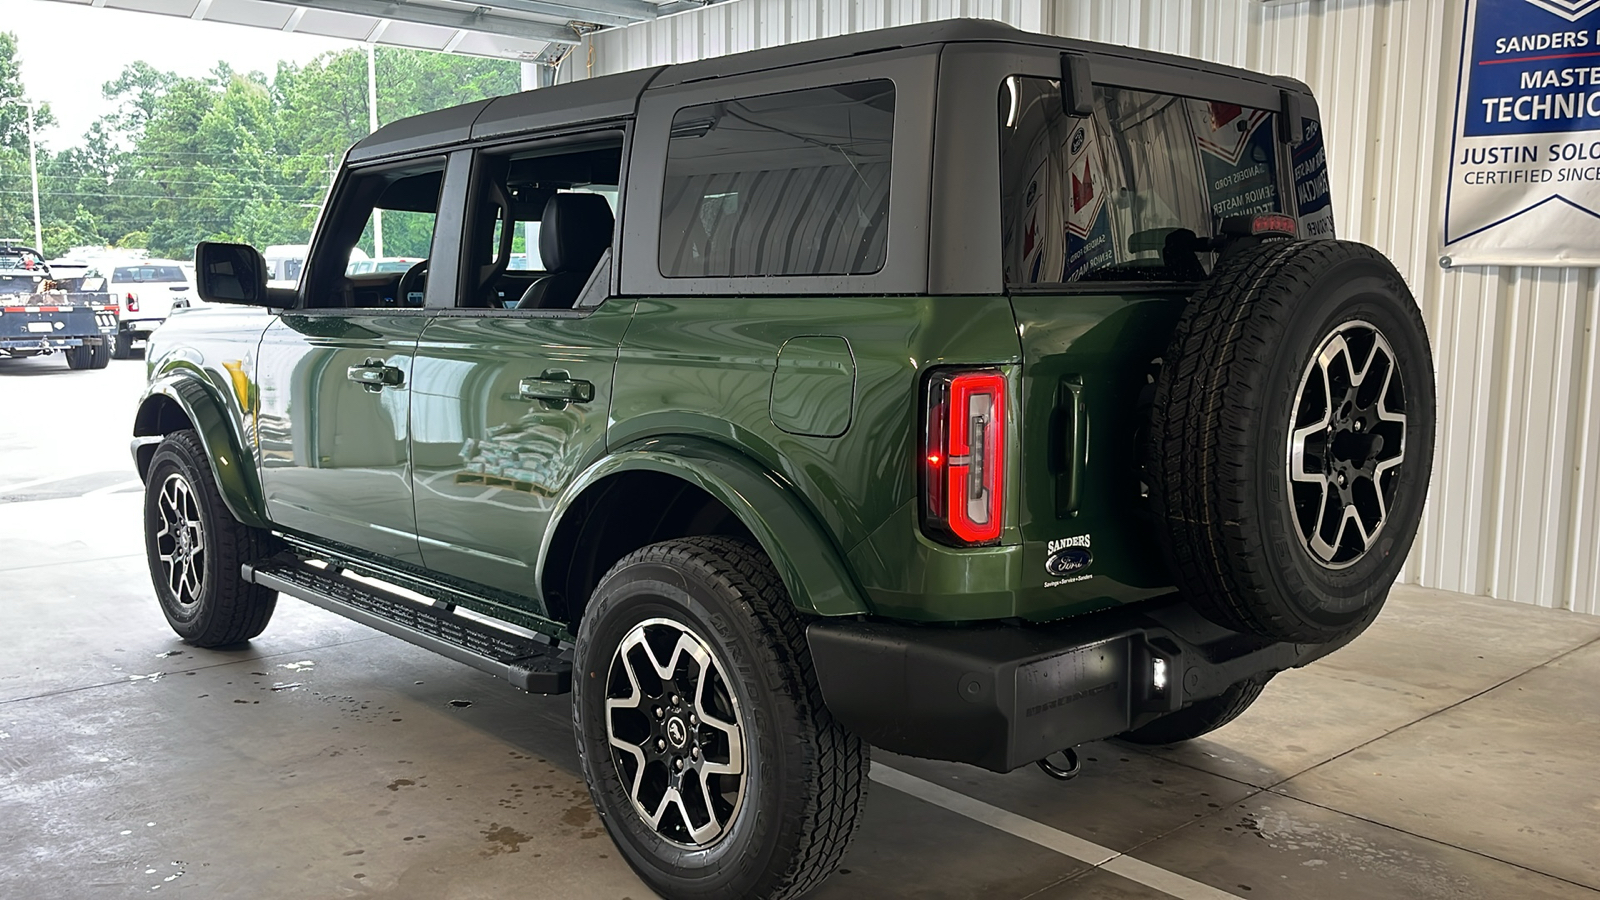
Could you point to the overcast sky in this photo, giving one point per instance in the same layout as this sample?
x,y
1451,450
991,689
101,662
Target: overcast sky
x,y
69,51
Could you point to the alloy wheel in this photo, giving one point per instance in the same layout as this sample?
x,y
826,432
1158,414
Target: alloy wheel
x,y
1347,444
676,733
181,542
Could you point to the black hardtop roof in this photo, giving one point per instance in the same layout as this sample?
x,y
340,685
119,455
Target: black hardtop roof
x,y
611,96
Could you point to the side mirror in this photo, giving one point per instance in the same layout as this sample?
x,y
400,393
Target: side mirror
x,y
230,273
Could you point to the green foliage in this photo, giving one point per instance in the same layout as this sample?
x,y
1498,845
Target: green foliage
x,y
228,156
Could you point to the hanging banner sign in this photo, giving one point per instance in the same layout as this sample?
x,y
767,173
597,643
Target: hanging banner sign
x,y
1524,183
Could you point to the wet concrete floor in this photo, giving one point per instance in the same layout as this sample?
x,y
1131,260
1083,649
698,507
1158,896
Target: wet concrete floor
x,y
1449,753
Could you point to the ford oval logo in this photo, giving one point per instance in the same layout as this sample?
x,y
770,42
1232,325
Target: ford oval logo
x,y
1068,560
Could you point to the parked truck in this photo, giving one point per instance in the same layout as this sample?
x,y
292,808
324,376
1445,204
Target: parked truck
x,y
40,314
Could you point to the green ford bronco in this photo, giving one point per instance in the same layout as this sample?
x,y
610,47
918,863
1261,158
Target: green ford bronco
x,y
963,392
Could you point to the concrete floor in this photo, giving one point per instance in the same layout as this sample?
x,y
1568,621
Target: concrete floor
x,y
1448,753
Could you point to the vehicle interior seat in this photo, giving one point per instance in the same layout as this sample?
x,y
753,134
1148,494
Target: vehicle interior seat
x,y
574,232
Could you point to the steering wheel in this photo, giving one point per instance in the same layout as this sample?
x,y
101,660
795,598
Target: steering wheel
x,y
414,281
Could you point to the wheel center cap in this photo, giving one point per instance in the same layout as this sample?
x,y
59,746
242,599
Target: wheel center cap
x,y
677,732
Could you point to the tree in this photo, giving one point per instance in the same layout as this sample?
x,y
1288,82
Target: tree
x,y
227,156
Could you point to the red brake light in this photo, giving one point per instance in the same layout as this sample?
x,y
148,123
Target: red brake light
x,y
964,456
133,302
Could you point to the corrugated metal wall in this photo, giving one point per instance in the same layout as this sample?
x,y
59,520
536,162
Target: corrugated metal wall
x,y
1515,506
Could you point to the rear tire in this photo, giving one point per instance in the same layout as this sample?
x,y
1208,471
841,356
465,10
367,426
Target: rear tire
x,y
1200,717
195,547
1291,439
79,357
100,357
713,611
123,347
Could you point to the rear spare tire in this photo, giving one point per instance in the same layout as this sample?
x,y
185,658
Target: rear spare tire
x,y
1291,439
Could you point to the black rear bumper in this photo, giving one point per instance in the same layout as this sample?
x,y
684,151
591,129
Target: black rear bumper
x,y
1002,696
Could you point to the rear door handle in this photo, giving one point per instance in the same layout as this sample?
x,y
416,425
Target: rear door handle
x,y
375,376
556,389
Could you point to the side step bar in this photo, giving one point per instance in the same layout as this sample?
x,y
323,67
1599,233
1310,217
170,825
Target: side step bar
x,y
536,664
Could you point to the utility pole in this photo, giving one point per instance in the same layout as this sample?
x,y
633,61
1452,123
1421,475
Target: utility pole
x,y
33,168
372,125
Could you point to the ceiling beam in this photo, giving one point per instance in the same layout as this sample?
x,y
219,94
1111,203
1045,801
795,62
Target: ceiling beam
x,y
597,12
486,22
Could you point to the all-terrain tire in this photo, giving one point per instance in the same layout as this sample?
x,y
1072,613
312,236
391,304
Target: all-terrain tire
x,y
1202,716
208,604
1249,360
804,776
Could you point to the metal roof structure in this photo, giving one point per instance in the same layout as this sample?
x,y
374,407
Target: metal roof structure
x,y
525,30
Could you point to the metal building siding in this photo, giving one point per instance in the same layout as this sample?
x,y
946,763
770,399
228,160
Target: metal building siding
x,y
1515,505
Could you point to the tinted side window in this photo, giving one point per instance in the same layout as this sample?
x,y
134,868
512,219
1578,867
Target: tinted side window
x,y
1110,196
146,274
785,184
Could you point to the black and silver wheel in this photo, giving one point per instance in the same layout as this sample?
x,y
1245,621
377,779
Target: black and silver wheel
x,y
1291,439
674,728
180,541
709,754
1347,444
194,547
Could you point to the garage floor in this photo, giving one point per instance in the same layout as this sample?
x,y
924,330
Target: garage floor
x,y
1450,752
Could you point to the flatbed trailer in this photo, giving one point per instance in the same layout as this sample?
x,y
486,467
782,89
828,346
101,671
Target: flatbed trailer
x,y
39,315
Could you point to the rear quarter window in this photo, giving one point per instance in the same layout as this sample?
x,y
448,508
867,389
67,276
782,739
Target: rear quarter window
x,y
1105,197
794,183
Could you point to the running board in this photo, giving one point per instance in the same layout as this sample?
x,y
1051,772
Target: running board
x,y
536,664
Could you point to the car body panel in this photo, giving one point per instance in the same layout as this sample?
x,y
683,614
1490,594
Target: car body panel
x,y
490,464
810,565
335,456
204,364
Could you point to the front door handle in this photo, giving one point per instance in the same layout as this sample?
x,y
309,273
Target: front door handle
x,y
375,376
556,389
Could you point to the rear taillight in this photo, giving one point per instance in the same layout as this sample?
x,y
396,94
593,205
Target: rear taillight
x,y
133,302
963,456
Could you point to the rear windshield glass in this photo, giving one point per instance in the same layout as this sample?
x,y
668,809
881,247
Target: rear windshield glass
x,y
1118,195
785,184
136,274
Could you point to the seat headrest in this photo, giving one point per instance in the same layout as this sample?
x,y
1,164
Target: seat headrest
x,y
575,230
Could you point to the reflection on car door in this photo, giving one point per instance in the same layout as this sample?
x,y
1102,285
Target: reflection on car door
x,y
334,417
334,444
492,457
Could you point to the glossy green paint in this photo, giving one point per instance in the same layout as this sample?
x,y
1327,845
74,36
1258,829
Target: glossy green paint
x,y
490,464
335,455
816,453
814,386
202,364
1096,349
809,564
703,367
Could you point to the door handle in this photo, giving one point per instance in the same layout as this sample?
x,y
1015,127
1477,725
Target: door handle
x,y
1075,446
556,389
375,376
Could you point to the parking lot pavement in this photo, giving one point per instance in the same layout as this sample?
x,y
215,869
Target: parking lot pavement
x,y
1445,754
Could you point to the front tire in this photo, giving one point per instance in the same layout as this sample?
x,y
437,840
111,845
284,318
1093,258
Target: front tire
x,y
703,736
195,547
